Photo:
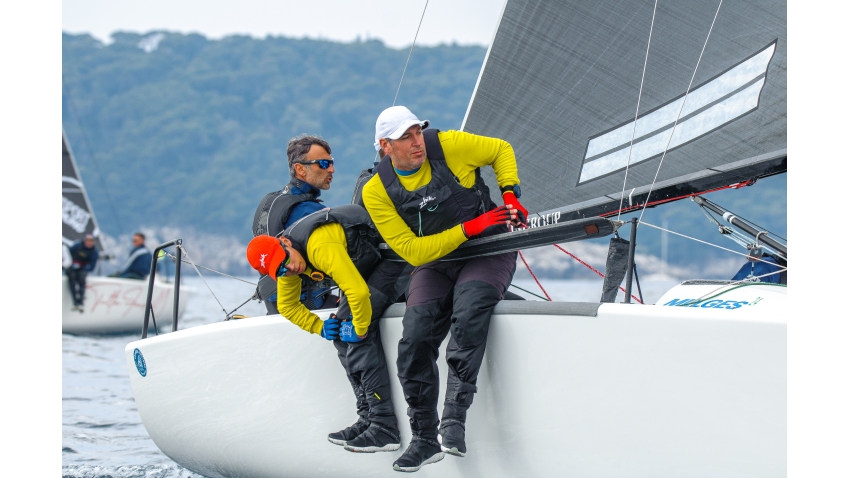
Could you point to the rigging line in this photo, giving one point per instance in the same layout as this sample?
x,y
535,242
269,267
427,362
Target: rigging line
x,y
184,261
594,270
377,154
204,280
733,234
679,114
637,109
91,155
534,276
737,284
528,292
708,243
410,52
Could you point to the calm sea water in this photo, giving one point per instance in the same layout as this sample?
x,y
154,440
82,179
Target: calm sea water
x,y
102,433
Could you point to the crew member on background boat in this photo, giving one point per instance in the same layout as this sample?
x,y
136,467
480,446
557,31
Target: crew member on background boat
x,y
341,242
83,259
138,265
426,200
311,169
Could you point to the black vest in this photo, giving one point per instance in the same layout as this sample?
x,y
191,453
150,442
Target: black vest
x,y
360,234
442,203
274,210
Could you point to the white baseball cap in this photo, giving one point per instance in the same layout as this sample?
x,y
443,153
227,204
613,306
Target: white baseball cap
x,y
393,122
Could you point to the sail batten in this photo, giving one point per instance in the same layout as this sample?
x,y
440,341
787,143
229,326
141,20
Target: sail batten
x,y
562,79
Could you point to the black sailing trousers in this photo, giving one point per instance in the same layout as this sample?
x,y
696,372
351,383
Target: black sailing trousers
x,y
456,297
77,284
364,362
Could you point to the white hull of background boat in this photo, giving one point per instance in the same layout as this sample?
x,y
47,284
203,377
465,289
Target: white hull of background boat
x,y
114,305
566,389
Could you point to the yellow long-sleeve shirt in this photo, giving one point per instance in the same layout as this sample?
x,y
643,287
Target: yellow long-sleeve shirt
x,y
327,250
464,153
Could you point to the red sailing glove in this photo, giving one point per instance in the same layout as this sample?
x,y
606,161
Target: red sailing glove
x,y
511,202
474,227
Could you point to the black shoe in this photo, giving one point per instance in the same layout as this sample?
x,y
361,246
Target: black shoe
x,y
420,452
375,438
350,433
452,437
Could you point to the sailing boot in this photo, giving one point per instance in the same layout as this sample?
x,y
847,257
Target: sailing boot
x,y
453,429
349,433
382,434
423,448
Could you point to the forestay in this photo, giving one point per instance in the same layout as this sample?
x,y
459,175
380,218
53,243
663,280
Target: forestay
x,y
561,82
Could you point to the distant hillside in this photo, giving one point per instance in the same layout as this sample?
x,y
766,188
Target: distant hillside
x,y
194,132
183,134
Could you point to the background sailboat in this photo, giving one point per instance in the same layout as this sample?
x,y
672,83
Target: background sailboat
x,y
567,389
112,305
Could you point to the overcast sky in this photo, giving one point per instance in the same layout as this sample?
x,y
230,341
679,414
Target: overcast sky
x,y
393,21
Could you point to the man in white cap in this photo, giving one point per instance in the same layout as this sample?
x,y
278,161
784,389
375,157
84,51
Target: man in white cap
x,y
427,199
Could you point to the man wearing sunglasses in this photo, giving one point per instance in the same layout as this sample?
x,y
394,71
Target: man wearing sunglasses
x,y
311,169
341,243
427,199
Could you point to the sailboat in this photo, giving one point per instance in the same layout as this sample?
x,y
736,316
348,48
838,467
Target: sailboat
x,y
694,385
112,305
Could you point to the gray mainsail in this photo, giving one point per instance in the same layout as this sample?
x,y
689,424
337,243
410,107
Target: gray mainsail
x,y
77,216
561,82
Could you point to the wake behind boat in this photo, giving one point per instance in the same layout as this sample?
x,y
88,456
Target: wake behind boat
x,y
693,385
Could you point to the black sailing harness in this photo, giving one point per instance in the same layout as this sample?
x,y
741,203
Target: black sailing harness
x,y
274,210
269,219
441,204
360,235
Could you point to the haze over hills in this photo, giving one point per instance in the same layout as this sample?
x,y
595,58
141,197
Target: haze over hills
x,y
181,135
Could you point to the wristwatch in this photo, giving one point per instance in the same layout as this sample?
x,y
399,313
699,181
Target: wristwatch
x,y
514,188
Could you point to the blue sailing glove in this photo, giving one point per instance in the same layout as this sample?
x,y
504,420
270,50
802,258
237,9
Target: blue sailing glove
x,y
347,334
330,329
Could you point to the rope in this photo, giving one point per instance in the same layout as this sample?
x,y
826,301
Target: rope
x,y
737,285
211,270
534,276
679,114
204,280
676,198
409,54
707,243
593,269
637,109
528,291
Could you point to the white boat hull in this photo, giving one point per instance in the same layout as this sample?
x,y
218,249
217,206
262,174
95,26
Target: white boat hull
x,y
632,391
114,305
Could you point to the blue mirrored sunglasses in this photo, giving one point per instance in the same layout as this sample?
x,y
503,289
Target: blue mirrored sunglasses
x,y
281,270
323,163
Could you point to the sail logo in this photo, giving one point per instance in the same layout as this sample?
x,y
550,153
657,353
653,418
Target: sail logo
x,y
139,360
425,201
544,220
74,216
708,107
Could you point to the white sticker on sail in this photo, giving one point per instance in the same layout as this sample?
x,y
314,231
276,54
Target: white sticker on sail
x,y
713,117
665,116
74,216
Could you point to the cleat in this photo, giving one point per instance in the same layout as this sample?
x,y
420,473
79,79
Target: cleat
x,y
375,439
419,453
342,436
452,437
